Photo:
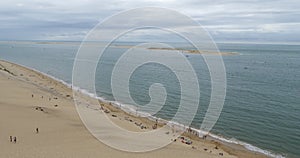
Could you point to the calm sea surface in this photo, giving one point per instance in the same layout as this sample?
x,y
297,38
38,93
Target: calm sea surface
x,y
262,106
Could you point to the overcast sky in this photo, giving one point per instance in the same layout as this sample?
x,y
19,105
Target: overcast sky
x,y
257,21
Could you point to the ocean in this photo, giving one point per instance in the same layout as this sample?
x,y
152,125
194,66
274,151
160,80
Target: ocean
x,y
262,105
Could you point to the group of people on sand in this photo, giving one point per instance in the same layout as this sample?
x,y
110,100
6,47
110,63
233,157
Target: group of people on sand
x,y
32,96
191,131
13,139
196,133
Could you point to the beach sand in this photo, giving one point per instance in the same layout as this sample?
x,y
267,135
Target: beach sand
x,y
30,100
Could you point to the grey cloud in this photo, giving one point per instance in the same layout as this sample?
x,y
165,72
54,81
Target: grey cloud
x,y
226,20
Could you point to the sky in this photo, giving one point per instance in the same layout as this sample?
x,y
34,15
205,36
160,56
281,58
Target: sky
x,y
255,21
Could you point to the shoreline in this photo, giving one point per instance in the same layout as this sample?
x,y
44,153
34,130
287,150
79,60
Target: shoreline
x,y
231,148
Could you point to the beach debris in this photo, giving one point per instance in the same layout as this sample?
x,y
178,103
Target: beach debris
x,y
221,154
55,105
106,111
114,115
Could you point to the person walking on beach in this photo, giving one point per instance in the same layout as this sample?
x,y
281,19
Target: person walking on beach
x,y
37,130
15,139
11,139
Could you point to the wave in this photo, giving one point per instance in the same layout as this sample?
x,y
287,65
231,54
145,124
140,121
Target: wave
x,y
247,146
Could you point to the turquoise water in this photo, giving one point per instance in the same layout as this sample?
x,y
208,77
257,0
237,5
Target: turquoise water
x,y
262,106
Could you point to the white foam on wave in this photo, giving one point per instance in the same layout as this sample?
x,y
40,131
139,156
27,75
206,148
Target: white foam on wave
x,y
246,145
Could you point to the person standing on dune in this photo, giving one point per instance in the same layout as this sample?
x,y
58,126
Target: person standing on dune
x,y
15,139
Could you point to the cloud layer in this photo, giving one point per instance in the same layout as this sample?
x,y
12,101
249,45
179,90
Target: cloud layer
x,y
227,20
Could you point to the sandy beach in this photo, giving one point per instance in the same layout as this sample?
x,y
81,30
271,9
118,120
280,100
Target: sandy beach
x,y
31,100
